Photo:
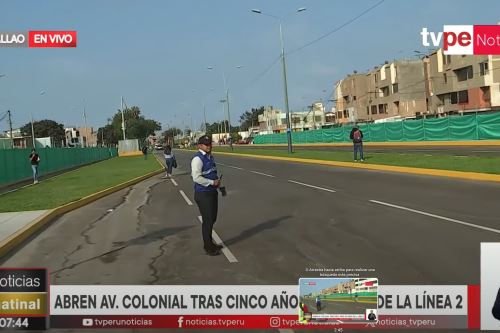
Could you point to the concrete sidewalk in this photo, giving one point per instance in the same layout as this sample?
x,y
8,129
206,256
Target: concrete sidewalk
x,y
10,223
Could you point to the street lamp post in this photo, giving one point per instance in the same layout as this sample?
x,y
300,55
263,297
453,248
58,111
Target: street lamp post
x,y
285,85
226,100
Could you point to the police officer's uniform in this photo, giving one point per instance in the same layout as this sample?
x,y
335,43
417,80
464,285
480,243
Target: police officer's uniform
x,y
204,173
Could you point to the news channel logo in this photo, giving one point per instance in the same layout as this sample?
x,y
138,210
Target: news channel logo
x,y
87,322
275,322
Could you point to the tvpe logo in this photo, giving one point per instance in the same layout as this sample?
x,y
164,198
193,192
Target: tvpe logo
x,y
464,39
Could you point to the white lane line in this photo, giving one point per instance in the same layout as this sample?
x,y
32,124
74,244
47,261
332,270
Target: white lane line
x,y
173,181
186,198
235,167
437,216
316,187
263,174
225,250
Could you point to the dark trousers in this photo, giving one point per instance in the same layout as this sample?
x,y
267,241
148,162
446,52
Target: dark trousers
x,y
358,147
168,163
208,205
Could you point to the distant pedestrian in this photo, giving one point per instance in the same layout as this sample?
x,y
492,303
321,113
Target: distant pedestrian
x,y
169,160
206,182
145,152
357,139
34,159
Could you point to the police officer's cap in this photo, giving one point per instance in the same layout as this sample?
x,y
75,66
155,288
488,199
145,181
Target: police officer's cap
x,y
205,140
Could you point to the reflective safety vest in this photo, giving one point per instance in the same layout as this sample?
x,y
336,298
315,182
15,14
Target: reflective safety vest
x,y
208,171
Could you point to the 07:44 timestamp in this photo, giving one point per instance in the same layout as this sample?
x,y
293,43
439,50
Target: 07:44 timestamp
x,y
9,322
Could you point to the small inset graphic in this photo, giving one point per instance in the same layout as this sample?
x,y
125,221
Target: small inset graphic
x,y
342,300
490,286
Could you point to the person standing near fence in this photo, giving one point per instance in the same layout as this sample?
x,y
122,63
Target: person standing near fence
x,y
357,139
34,159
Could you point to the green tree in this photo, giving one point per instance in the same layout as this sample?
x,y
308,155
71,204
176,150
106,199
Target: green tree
x,y
251,118
46,128
136,126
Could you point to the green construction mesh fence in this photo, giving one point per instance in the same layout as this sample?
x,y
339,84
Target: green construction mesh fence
x,y
453,128
15,165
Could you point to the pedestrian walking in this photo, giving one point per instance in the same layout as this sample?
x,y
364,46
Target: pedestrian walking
x,y
169,160
145,151
34,159
206,182
357,139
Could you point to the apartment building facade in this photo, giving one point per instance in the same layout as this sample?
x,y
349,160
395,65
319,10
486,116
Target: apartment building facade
x,y
393,89
463,84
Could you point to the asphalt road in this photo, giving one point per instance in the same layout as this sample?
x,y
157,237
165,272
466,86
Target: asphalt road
x,y
484,151
279,221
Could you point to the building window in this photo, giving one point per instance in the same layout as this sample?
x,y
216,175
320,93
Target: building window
x,y
445,78
376,79
384,91
463,96
447,59
483,68
374,109
395,88
368,110
459,97
353,98
382,108
464,73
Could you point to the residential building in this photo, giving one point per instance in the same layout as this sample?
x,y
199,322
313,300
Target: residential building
x,y
88,136
397,89
272,121
463,84
351,95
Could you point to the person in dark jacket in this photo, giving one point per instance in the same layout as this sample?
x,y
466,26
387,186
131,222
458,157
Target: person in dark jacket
x,y
145,152
34,160
206,181
169,160
357,139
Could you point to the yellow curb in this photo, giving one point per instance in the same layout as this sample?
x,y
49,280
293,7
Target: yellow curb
x,y
388,144
379,167
22,234
130,153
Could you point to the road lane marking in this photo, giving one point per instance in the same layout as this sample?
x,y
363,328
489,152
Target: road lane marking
x,y
225,250
263,174
437,216
173,181
316,187
186,198
235,167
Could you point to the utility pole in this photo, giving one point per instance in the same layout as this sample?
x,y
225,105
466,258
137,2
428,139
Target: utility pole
x,y
314,118
33,132
123,119
205,117
86,130
10,129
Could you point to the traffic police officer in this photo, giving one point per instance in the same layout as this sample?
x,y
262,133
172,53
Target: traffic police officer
x,y
206,182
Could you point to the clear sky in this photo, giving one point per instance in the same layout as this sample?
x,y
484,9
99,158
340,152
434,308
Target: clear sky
x,y
320,284
156,53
